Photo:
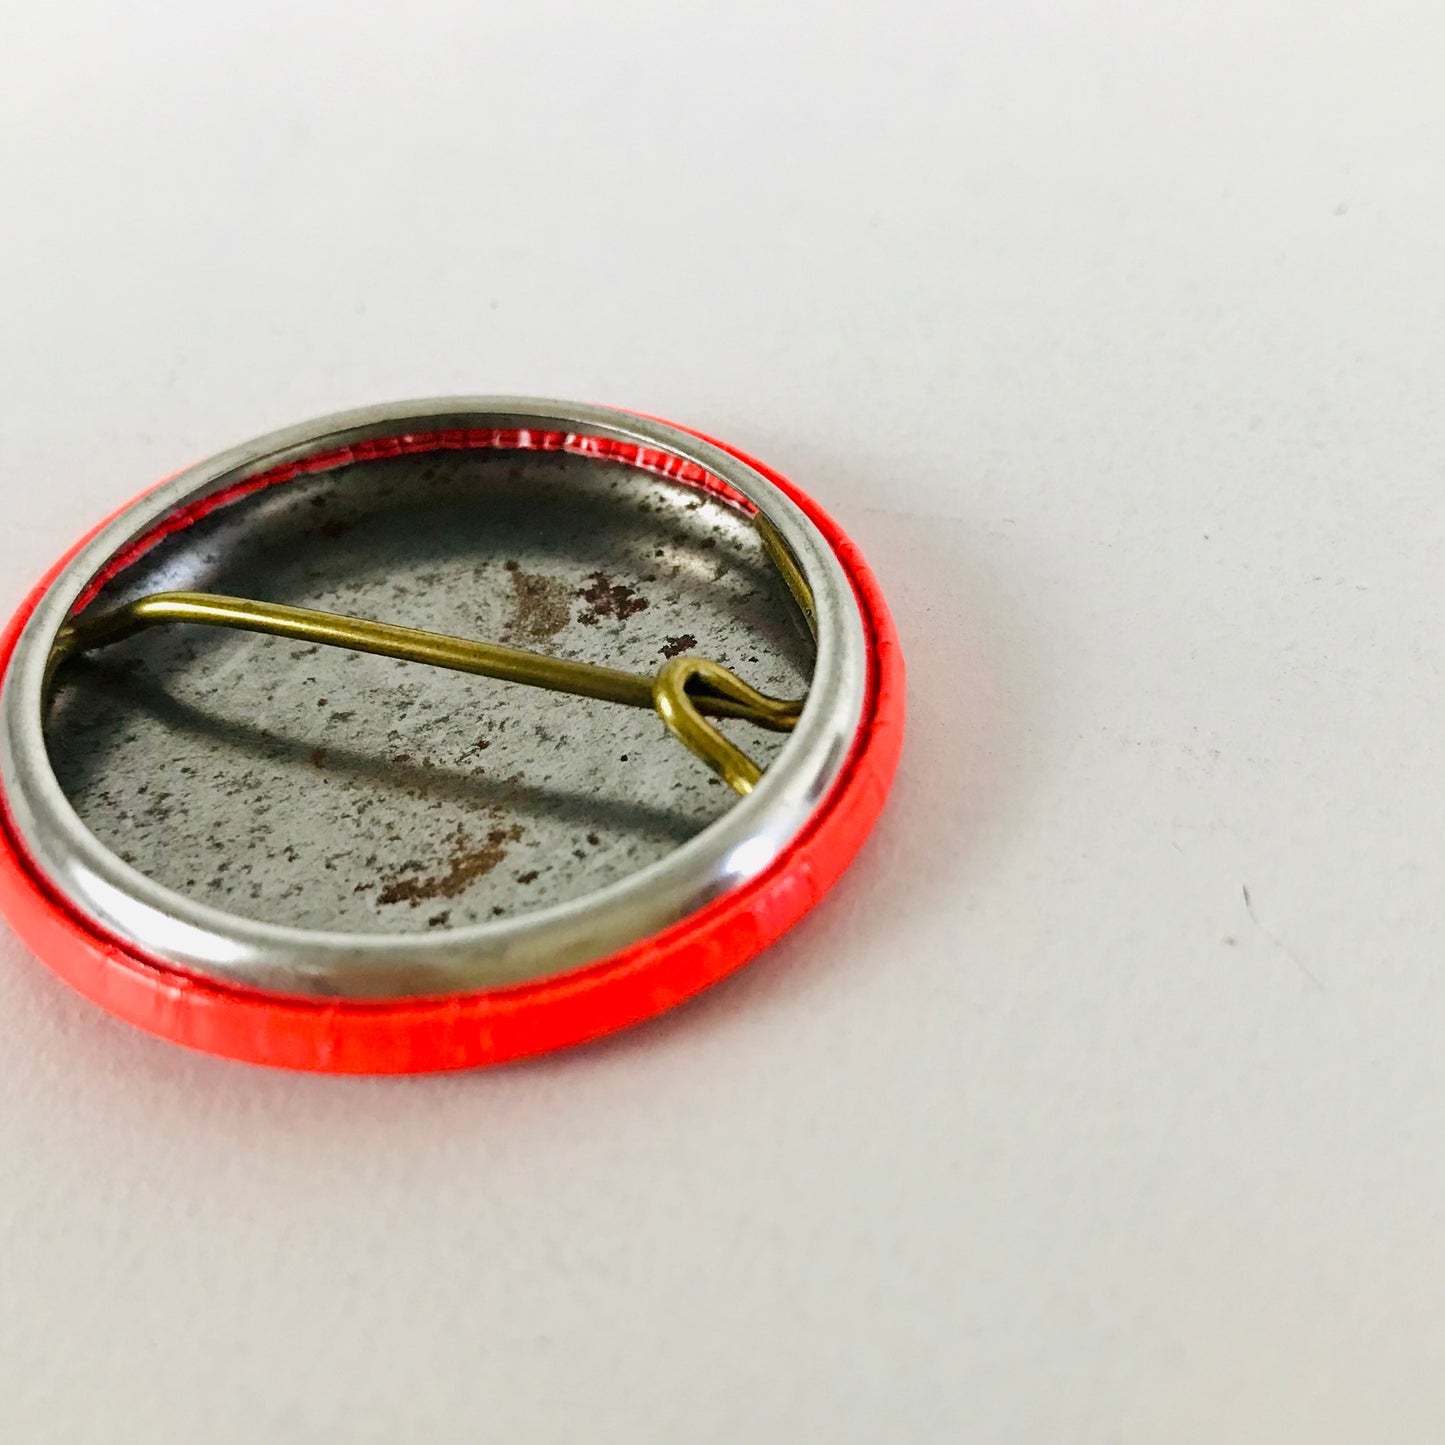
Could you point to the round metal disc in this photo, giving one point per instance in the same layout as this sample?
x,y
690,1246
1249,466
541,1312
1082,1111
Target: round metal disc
x,y
315,820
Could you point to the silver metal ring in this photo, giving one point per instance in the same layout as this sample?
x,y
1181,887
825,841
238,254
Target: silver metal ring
x,y
170,927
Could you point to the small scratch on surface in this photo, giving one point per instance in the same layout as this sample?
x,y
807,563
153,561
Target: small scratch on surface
x,y
1278,942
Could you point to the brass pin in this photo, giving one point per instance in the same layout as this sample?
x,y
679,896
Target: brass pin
x,y
684,692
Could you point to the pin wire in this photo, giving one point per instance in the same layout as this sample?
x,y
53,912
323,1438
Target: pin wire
x,y
685,692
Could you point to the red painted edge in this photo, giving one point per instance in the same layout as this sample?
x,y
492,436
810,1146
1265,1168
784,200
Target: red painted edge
x,y
466,1030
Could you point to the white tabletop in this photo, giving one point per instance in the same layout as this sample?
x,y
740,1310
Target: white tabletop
x,y
1104,1099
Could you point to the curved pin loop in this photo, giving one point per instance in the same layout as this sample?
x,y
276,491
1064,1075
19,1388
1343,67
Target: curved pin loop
x,y
679,711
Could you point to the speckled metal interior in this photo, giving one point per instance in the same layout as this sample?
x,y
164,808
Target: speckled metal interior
x,y
327,789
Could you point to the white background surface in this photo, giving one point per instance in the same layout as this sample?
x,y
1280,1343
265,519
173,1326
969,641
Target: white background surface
x,y
1113,333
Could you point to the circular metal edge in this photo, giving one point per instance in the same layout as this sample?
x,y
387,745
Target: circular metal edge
x,y
168,927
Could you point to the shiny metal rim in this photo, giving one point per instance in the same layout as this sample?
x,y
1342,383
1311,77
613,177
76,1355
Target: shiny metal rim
x,y
169,927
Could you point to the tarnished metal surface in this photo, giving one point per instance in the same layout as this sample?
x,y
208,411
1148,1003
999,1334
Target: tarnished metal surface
x,y
330,790
410,559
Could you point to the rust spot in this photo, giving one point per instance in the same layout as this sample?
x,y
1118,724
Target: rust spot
x,y
465,862
483,744
439,920
606,598
593,839
529,877
544,604
676,646
318,758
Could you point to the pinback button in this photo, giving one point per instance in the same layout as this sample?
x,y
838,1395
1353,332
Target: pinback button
x,y
440,733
